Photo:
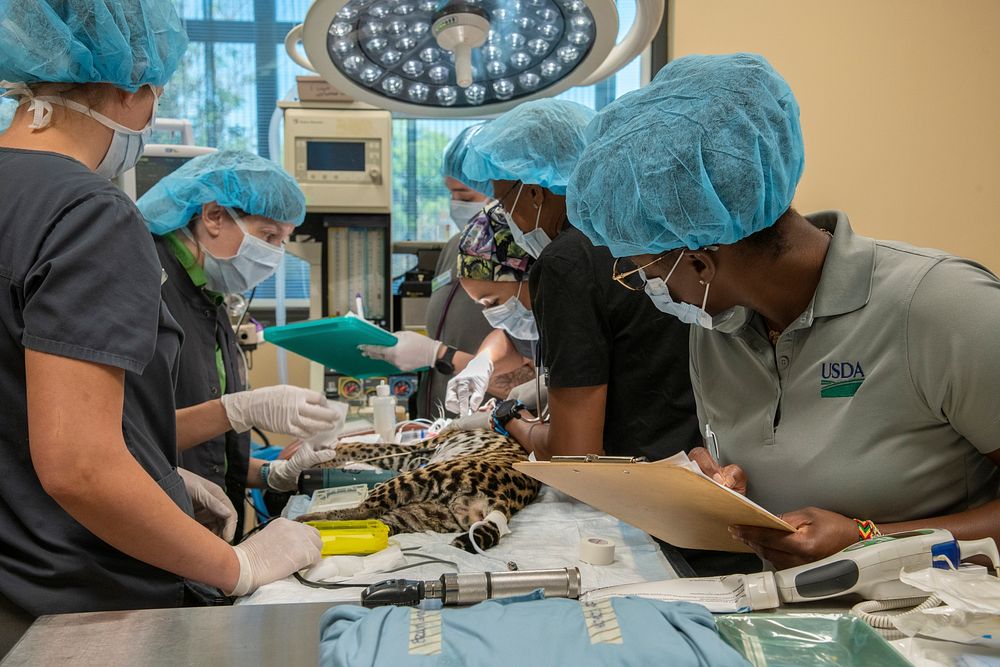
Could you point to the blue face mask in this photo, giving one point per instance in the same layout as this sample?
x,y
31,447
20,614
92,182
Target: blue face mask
x,y
656,290
533,242
463,211
255,261
513,317
126,144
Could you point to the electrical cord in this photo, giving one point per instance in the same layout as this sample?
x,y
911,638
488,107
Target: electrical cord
x,y
267,443
247,309
509,564
867,610
262,514
870,611
427,560
259,527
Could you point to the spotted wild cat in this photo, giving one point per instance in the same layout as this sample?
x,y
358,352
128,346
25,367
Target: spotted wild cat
x,y
447,483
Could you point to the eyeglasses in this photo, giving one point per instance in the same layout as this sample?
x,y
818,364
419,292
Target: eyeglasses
x,y
630,276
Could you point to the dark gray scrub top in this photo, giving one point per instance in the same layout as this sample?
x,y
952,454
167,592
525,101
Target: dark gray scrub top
x,y
452,318
79,278
224,459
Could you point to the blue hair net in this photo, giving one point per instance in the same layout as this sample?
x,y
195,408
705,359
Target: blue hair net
x,y
537,143
708,153
454,155
127,43
237,179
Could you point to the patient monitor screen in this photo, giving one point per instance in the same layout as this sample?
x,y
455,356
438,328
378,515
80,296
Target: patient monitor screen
x,y
335,156
149,171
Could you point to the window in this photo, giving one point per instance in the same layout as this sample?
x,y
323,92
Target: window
x,y
236,69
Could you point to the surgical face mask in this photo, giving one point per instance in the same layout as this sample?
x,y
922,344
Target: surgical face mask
x,y
126,144
463,211
254,261
656,290
513,318
533,242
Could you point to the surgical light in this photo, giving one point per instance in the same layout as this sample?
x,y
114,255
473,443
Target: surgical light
x,y
455,58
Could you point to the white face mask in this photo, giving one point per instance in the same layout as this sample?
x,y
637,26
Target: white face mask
x,y
126,144
463,211
254,261
656,290
533,242
513,318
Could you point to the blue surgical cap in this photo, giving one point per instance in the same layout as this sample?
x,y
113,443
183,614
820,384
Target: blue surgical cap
x,y
708,153
127,43
537,143
454,155
236,179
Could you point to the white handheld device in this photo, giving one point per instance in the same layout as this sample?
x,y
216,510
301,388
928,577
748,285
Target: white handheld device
x,y
871,568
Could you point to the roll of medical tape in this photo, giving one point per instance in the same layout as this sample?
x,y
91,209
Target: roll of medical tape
x,y
597,551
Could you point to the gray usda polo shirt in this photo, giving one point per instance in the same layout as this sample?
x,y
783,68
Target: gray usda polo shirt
x,y
879,402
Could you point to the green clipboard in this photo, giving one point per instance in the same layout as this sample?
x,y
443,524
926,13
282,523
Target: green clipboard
x,y
333,342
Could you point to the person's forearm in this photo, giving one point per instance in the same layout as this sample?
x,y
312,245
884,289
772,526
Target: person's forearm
x,y
576,425
501,384
974,524
254,479
200,423
532,436
502,352
115,499
460,360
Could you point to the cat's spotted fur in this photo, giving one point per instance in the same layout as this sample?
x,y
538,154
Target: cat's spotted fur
x,y
448,483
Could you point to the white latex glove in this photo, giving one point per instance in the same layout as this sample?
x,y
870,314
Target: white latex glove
x,y
281,548
322,442
282,409
284,475
467,390
328,439
413,351
473,422
526,394
212,507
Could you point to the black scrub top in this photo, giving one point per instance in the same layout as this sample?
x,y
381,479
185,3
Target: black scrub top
x,y
79,278
594,331
224,459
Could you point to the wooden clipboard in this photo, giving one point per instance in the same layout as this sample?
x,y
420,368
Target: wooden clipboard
x,y
666,500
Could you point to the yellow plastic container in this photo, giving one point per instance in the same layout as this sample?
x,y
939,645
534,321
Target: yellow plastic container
x,y
344,538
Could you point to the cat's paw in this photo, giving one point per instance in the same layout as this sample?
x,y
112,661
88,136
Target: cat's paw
x,y
487,536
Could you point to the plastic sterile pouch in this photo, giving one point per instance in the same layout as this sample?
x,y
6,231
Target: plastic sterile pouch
x,y
968,589
971,611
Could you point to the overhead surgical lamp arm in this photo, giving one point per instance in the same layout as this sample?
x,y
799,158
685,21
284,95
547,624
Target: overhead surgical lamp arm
x,y
292,41
643,29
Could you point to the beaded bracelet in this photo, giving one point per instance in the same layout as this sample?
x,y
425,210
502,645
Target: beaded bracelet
x,y
867,529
